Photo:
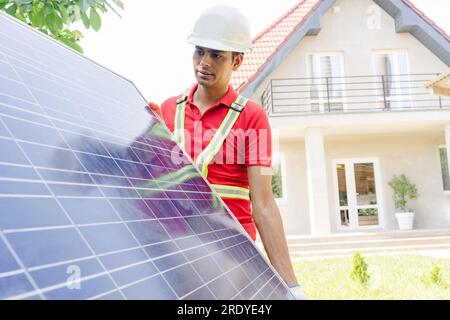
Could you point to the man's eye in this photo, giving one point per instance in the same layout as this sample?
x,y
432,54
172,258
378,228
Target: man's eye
x,y
217,55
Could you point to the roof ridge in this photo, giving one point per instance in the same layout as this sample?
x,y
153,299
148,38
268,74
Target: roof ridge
x,y
279,20
286,38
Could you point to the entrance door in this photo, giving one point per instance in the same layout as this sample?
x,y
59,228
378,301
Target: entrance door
x,y
357,184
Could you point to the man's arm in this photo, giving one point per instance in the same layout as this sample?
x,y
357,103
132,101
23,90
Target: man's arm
x,y
268,222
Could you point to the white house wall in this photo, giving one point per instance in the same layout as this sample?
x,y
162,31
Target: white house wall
x,y
295,210
413,154
351,31
416,156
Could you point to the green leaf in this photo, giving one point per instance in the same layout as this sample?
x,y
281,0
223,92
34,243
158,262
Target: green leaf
x,y
85,19
96,21
84,5
12,9
48,9
76,12
37,19
24,1
64,14
119,3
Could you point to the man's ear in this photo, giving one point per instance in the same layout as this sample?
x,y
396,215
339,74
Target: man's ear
x,y
238,59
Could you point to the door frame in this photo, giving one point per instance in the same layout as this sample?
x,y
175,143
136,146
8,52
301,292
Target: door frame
x,y
378,187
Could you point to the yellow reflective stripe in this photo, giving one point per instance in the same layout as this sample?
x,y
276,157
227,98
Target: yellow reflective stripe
x,y
179,119
169,180
234,192
208,154
157,130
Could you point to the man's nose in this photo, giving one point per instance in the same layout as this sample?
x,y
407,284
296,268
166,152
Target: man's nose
x,y
206,60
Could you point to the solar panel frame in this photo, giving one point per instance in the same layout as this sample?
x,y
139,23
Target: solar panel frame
x,y
28,275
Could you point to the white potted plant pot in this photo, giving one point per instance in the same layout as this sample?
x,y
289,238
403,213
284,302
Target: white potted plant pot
x,y
405,220
403,189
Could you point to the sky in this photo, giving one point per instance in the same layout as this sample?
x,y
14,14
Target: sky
x,y
148,43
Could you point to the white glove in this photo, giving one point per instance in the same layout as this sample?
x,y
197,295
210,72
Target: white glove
x,y
297,293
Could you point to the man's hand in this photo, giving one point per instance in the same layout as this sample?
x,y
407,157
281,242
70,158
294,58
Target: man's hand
x,y
269,224
297,293
155,108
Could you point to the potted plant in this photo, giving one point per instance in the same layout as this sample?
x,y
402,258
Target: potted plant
x,y
403,189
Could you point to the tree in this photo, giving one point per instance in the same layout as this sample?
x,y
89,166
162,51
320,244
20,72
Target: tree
x,y
56,17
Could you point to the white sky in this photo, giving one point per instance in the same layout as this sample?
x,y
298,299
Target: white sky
x,y
148,44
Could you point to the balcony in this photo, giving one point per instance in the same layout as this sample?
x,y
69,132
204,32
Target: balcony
x,y
353,94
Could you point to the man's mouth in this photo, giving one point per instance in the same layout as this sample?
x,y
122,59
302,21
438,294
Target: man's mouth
x,y
204,73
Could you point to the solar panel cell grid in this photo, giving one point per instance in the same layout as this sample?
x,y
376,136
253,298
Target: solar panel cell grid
x,y
93,204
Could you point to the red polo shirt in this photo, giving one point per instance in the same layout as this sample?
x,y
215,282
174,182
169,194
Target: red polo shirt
x,y
248,144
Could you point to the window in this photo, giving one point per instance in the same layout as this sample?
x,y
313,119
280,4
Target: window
x,y
444,168
393,66
326,73
278,177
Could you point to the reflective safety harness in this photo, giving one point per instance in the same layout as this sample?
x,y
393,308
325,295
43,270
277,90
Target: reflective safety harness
x,y
207,155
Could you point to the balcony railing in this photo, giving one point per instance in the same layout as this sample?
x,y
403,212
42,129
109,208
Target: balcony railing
x,y
401,92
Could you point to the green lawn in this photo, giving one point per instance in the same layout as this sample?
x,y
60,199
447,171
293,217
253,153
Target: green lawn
x,y
391,277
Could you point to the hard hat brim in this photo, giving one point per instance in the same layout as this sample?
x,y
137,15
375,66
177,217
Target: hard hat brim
x,y
215,45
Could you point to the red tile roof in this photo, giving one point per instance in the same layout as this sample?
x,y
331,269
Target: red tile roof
x,y
427,19
266,44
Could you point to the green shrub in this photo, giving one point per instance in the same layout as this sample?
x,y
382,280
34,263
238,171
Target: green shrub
x,y
360,273
403,189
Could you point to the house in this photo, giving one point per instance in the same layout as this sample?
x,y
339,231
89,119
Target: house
x,y
343,83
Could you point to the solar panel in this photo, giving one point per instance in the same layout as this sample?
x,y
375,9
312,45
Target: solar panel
x,y
96,200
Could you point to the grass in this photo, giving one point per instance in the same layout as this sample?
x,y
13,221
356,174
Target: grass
x,y
392,277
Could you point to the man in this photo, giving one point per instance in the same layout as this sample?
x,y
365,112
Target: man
x,y
221,36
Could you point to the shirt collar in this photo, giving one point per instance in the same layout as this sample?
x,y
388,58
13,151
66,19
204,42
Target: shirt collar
x,y
227,100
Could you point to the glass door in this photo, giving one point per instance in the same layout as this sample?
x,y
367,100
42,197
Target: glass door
x,y
357,192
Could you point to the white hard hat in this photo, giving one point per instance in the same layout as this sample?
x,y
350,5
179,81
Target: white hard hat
x,y
222,28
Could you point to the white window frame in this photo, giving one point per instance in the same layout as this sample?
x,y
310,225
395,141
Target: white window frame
x,y
442,146
350,186
321,100
396,63
282,162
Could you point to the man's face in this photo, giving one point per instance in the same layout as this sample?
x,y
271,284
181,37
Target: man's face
x,y
213,68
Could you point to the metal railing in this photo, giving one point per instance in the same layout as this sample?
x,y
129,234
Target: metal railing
x,y
401,92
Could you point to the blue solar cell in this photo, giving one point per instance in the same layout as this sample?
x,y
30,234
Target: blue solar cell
x,y
15,89
109,237
96,200
13,188
134,273
63,273
18,172
183,279
8,261
3,131
14,285
121,259
87,289
89,211
14,155
6,71
140,291
36,248
22,213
